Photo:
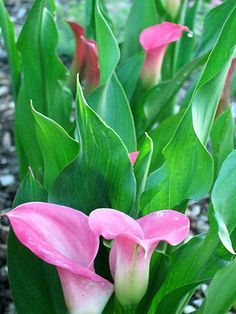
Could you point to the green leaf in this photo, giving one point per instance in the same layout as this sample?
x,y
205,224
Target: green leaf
x,y
188,169
57,147
30,190
108,49
220,300
191,264
213,25
43,79
102,175
224,200
142,14
161,137
111,104
30,278
141,169
155,102
12,53
128,73
222,138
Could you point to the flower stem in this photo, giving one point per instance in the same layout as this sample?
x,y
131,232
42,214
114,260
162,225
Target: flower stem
x,y
124,309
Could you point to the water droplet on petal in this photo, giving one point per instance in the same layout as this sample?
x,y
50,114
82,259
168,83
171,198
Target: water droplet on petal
x,y
190,34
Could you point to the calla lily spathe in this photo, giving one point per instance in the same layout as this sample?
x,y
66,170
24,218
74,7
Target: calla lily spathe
x,y
69,240
85,61
61,236
155,40
133,156
134,243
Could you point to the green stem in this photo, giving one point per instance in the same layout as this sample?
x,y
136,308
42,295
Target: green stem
x,y
124,309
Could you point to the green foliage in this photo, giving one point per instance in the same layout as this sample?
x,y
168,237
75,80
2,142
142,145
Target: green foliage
x,y
12,52
108,50
102,175
170,185
110,102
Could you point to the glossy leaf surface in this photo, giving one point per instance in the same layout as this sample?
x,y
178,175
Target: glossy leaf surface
x,y
222,138
102,174
108,49
221,294
57,147
10,44
170,185
224,200
110,102
37,45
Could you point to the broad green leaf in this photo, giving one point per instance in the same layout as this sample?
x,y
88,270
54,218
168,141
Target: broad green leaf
x,y
142,14
224,200
161,137
43,79
111,104
128,73
30,278
213,25
108,49
190,265
141,169
222,138
102,175
156,100
186,173
12,52
188,169
57,147
221,294
30,190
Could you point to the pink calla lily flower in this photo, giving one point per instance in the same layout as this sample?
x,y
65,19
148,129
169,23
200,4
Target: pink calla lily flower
x,y
61,236
134,243
133,156
85,60
155,40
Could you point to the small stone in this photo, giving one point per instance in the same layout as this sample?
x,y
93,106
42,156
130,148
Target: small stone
x,y
6,141
4,230
195,210
204,288
202,226
6,180
197,303
3,90
189,309
3,273
11,309
3,251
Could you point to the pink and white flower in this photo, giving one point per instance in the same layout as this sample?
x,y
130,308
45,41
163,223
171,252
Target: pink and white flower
x,y
134,244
